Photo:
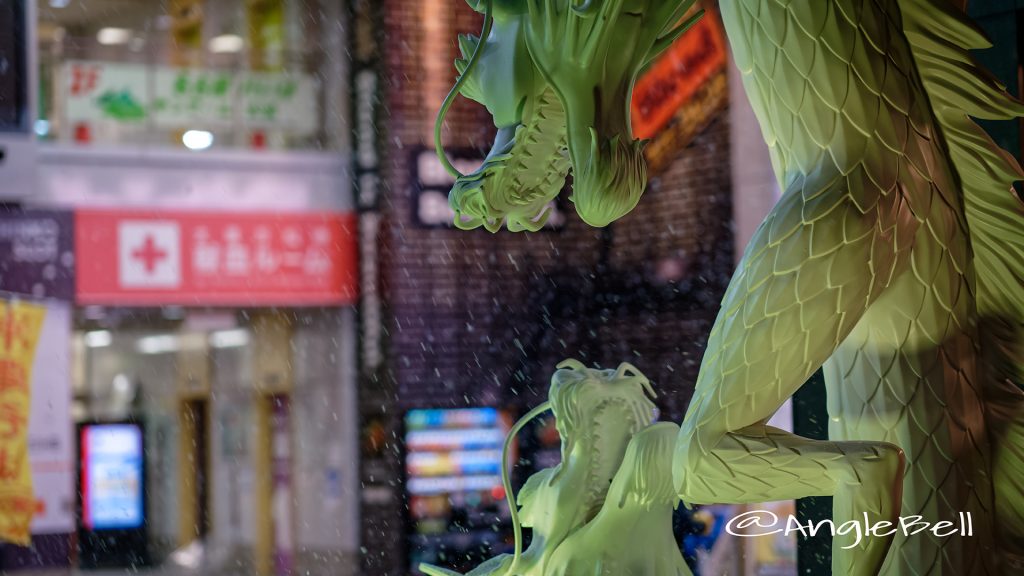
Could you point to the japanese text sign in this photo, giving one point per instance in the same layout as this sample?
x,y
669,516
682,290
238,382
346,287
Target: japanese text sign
x,y
37,250
216,259
674,78
189,97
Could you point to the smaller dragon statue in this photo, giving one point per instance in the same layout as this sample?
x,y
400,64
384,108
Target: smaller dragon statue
x,y
615,471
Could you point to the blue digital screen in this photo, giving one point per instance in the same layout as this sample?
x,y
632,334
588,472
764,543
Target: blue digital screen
x,y
112,476
456,499
454,450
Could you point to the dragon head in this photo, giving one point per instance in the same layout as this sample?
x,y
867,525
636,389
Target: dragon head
x,y
599,411
557,77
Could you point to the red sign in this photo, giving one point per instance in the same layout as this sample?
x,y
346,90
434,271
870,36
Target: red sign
x,y
676,75
134,258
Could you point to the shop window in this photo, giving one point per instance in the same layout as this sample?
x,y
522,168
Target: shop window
x,y
187,74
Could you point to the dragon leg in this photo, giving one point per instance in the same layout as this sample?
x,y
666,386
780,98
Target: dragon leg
x,y
800,290
759,463
924,399
908,375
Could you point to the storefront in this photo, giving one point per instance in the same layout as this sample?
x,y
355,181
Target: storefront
x,y
201,147
230,338
188,74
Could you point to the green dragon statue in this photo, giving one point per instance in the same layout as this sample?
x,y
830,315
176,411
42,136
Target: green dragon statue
x,y
616,471
894,260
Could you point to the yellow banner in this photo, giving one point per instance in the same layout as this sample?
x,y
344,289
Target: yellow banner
x,y
265,19
20,324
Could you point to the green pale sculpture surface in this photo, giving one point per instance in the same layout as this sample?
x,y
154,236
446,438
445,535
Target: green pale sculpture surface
x,y
894,259
557,77
607,507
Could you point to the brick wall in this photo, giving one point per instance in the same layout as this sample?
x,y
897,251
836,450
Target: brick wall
x,y
480,318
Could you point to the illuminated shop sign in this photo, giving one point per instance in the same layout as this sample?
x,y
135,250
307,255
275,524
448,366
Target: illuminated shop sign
x,y
454,450
112,476
174,97
244,259
456,502
676,76
681,92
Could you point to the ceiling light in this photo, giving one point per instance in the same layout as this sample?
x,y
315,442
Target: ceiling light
x,y
59,3
98,339
158,344
122,384
226,44
113,36
229,338
197,139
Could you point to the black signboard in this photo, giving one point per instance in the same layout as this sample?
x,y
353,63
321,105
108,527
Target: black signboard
x,y
13,78
36,254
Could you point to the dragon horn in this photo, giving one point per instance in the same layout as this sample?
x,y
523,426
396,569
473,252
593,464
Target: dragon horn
x,y
627,369
571,363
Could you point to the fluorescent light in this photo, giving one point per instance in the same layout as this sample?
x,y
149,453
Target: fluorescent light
x,y
122,384
113,36
157,344
226,44
59,3
98,339
229,338
197,139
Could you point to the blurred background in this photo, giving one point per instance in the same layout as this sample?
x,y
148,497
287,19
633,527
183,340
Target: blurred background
x,y
263,348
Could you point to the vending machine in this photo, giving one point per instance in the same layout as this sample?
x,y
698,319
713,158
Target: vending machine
x,y
457,513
